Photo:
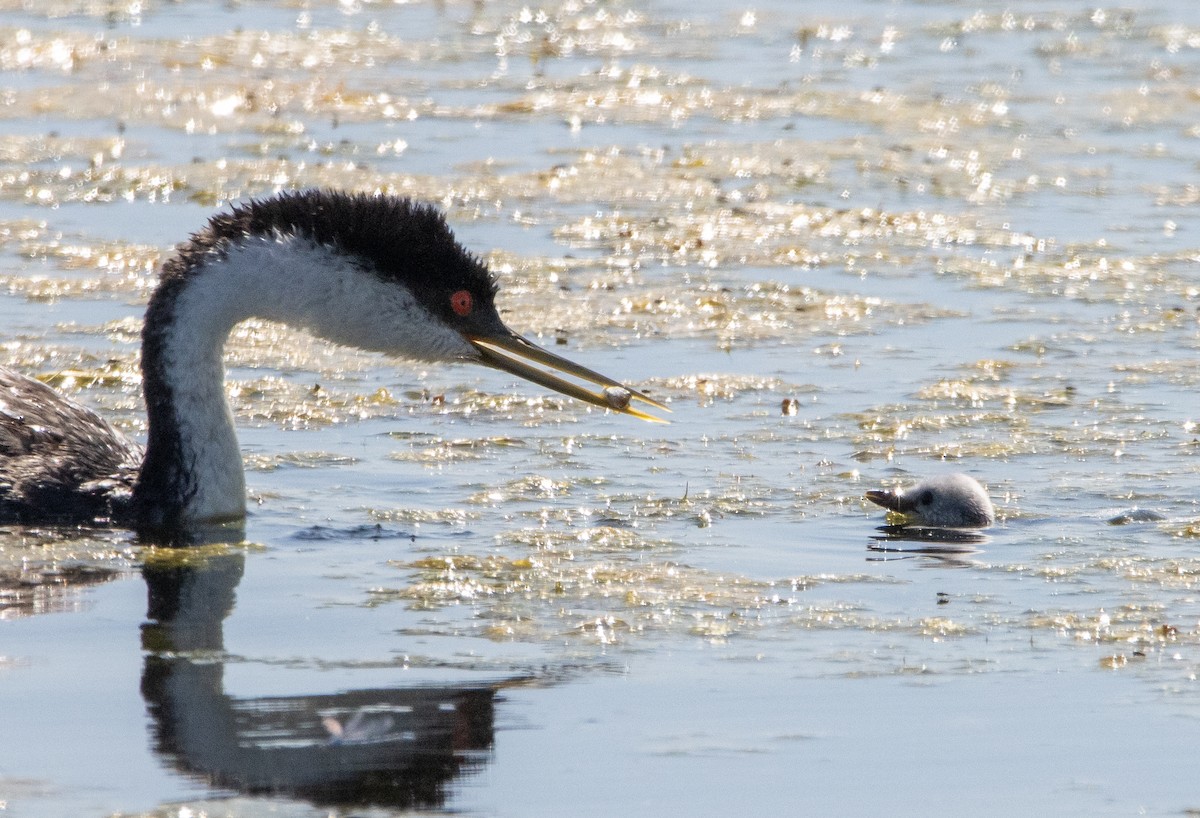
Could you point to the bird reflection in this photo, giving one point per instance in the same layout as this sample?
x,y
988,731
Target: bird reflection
x,y
397,747
948,547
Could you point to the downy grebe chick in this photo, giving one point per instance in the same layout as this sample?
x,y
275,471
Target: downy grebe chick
x,y
945,501
380,273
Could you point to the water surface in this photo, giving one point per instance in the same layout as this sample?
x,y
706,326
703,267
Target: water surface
x,y
851,244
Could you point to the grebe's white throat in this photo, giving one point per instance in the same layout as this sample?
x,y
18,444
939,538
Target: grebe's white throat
x,y
282,278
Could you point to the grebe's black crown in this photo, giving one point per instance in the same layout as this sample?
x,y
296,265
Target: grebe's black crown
x,y
396,238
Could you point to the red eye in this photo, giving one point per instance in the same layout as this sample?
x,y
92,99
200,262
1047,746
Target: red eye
x,y
462,302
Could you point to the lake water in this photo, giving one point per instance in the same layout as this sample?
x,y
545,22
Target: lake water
x,y
851,244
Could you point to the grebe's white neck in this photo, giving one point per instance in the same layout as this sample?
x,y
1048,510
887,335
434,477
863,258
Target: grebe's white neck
x,y
193,468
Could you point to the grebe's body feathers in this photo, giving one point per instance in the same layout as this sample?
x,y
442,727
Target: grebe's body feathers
x,y
62,462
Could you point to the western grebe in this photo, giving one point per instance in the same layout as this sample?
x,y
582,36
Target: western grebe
x,y
945,501
376,272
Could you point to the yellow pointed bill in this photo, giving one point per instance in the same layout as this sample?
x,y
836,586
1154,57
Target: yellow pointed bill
x,y
513,354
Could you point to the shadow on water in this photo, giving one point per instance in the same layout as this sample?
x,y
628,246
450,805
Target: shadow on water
x,y
386,747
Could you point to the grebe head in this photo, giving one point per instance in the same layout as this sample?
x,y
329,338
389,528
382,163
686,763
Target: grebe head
x,y
428,298
944,501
